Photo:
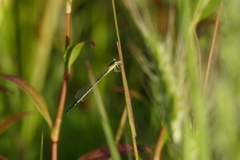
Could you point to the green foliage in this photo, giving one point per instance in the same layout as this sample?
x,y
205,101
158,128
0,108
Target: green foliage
x,y
163,69
209,9
72,52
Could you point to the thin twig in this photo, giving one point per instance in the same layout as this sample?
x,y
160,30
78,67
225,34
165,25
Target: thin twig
x,y
212,47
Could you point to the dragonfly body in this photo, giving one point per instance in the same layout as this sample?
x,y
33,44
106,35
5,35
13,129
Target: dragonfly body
x,y
115,65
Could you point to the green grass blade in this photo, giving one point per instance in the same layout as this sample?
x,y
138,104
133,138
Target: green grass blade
x,y
104,118
210,8
41,148
125,85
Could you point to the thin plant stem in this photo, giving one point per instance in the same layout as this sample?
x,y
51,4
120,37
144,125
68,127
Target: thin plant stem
x,y
125,85
129,104
121,125
212,47
68,22
54,151
56,129
160,143
57,125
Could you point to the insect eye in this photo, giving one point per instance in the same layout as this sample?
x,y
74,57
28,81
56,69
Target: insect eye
x,y
115,59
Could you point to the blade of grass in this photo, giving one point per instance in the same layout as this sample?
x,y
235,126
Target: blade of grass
x,y
104,118
121,125
123,120
212,47
41,148
129,104
200,134
125,85
160,143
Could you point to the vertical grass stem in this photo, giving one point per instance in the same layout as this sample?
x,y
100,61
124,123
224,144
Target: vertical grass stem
x,y
125,85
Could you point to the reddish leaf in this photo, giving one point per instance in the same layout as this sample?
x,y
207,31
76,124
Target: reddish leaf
x,y
4,124
33,93
104,153
3,158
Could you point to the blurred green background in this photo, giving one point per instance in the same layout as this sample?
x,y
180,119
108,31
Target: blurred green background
x,y
162,65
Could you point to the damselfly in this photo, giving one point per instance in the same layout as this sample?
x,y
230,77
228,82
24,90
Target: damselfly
x,y
115,65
